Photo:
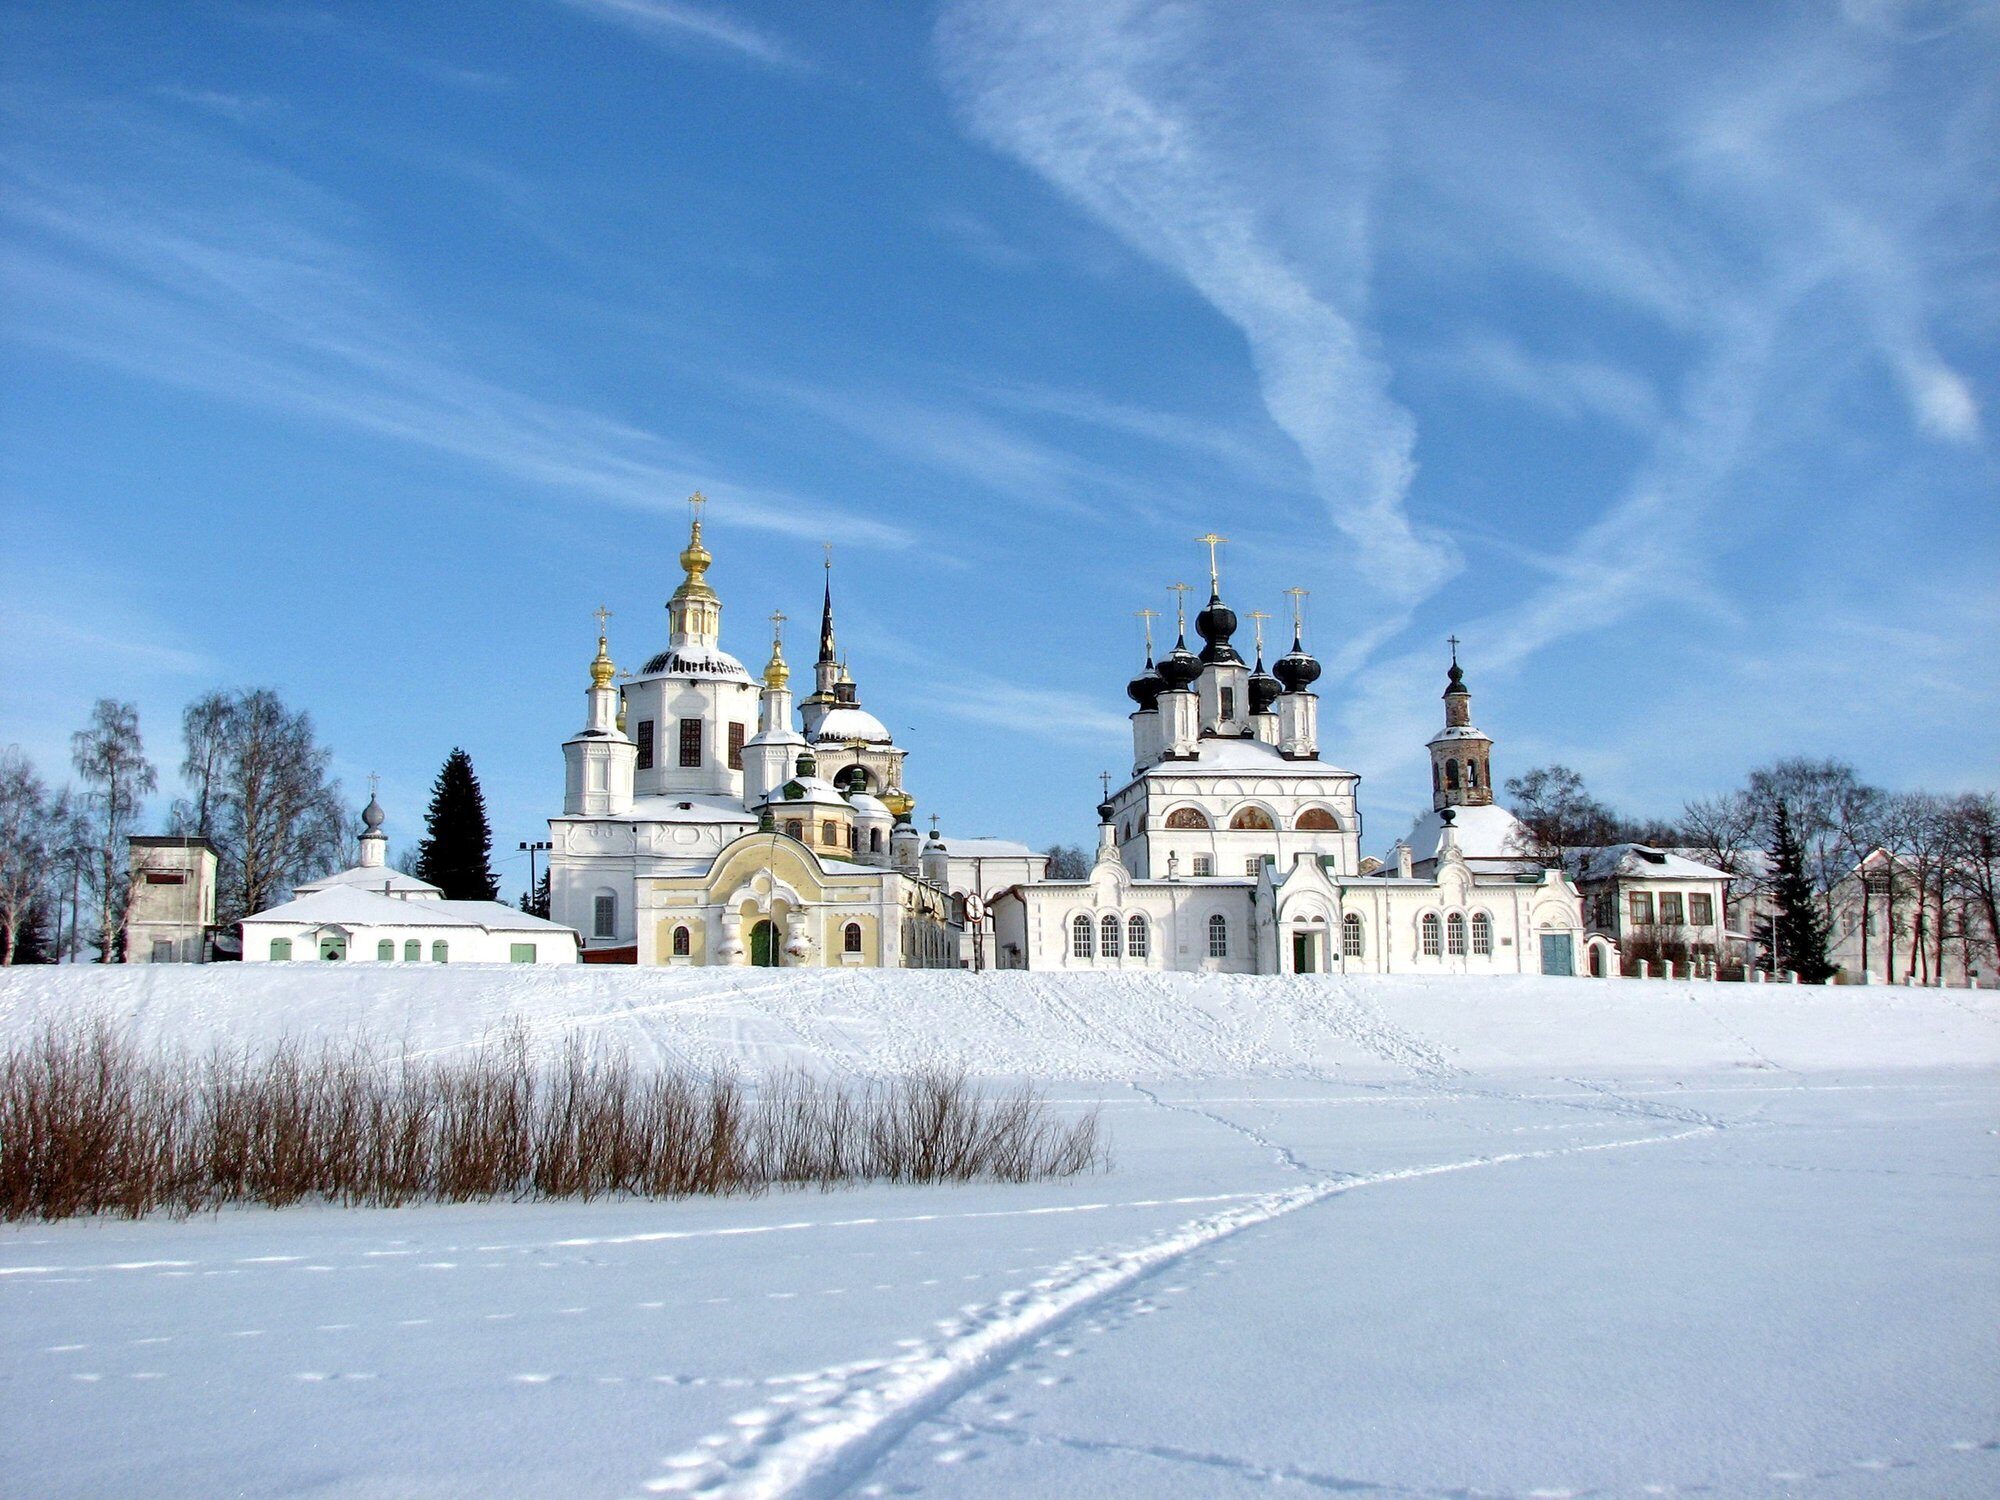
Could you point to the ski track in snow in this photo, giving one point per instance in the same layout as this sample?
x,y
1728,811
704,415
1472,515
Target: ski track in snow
x,y
822,1439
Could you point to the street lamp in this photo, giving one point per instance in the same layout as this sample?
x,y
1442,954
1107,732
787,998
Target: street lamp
x,y
531,850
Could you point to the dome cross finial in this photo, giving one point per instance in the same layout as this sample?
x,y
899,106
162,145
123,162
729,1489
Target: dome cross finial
x,y
1452,641
1146,618
1180,592
1298,598
1212,541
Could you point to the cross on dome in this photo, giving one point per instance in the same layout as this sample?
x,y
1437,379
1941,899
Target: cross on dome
x,y
1212,541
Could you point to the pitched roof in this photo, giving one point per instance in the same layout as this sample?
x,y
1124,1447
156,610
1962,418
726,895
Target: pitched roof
x,y
348,906
1639,862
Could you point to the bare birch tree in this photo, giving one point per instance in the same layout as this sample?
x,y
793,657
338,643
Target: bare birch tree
x,y
111,759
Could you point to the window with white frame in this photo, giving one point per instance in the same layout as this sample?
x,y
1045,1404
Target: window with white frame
x,y
1352,938
1204,864
850,938
1082,939
1109,938
1138,940
1454,934
1251,866
604,916
1433,935
1218,936
1482,934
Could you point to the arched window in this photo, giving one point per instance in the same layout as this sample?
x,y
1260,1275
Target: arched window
x,y
1082,939
1109,933
1317,820
413,951
1482,934
1352,939
440,952
683,942
874,841
1218,936
1187,817
829,831
604,916
1454,934
795,829
1433,931
281,950
1472,774
1138,941
1451,775
850,938
385,951
1251,817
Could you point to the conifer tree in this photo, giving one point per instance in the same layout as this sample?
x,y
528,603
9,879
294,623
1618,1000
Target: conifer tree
x,y
456,855
536,902
1798,929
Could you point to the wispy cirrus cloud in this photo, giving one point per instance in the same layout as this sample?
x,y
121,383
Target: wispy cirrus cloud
x,y
673,23
230,277
1120,108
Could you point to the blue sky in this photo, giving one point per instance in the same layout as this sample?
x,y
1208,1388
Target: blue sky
x,y
363,351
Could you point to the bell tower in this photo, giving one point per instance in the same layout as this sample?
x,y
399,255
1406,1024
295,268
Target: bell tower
x,y
1461,755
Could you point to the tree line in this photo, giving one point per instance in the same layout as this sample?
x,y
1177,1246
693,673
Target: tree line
x,y
1796,832
256,785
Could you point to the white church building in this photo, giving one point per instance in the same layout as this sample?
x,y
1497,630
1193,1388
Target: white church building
x,y
1235,848
706,821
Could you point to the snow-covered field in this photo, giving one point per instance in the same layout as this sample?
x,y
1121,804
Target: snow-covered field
x,y
1526,1237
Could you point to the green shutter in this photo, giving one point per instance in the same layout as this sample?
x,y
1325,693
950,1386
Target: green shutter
x,y
520,953
440,952
281,949
413,951
385,951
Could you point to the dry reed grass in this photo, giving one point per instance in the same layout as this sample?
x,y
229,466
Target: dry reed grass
x,y
92,1124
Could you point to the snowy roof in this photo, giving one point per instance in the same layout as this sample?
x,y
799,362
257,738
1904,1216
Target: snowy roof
x,y
369,878
346,906
1217,754
1483,833
814,791
1638,862
686,660
685,809
840,725
1458,732
987,849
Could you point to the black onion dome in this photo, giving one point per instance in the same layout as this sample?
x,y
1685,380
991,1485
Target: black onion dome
x,y
1105,810
1180,666
1295,669
1264,688
1455,681
1217,624
1145,689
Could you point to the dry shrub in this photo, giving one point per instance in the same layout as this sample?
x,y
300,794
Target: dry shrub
x,y
90,1123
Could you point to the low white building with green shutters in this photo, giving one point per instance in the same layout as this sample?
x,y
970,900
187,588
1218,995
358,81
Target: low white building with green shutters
x,y
373,913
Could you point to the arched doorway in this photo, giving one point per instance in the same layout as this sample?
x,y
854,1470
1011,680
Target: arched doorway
x,y
1304,951
333,947
764,949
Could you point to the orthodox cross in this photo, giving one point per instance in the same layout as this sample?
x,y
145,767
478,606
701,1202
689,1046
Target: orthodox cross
x,y
695,502
1212,541
1148,616
374,782
1298,598
1105,778
827,548
1452,640
1260,616
1180,592
602,615
778,618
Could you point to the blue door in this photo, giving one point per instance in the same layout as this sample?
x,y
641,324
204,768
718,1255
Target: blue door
x,y
1558,954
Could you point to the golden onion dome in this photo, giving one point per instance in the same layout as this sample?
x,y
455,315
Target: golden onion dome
x,y
602,671
899,802
776,672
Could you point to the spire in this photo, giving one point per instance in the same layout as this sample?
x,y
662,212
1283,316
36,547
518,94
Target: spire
x,y
777,672
695,610
826,646
602,671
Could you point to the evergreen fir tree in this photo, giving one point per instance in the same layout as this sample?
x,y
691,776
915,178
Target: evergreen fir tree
x,y
1799,928
456,855
536,902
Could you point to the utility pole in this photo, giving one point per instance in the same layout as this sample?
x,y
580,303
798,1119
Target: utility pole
x,y
531,850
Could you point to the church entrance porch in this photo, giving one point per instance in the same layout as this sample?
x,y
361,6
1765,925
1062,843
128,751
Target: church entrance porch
x,y
1305,953
1558,954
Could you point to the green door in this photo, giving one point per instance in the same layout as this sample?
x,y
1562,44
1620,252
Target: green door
x,y
333,949
763,946
1558,957
1302,953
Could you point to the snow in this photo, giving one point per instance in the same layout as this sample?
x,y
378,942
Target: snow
x,y
1642,861
1422,1237
1487,832
347,905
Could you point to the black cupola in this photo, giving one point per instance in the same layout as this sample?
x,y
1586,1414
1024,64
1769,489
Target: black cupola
x,y
1216,625
1145,689
1295,669
1180,666
1264,688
